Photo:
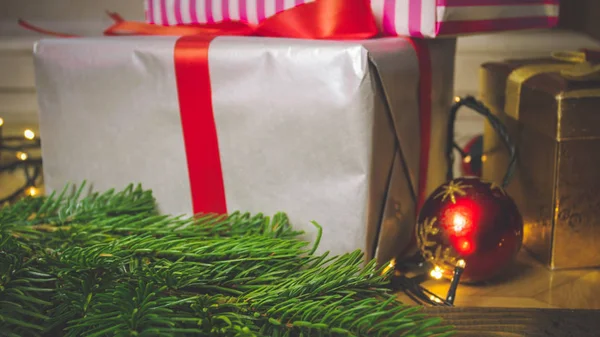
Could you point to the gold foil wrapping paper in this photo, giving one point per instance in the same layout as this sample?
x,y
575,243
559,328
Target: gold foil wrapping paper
x,y
552,110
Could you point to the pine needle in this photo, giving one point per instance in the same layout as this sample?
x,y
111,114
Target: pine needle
x,y
79,263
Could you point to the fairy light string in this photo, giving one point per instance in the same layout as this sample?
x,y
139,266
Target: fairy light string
x,y
412,285
16,157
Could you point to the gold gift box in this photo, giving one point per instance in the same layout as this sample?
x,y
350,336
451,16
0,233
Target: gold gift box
x,y
551,108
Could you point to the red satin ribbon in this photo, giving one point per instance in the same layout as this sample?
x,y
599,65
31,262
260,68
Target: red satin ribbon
x,y
321,19
425,90
198,125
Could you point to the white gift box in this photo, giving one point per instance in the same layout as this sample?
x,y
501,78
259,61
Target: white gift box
x,y
323,130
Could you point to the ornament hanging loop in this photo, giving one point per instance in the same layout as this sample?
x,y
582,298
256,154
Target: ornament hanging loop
x,y
480,108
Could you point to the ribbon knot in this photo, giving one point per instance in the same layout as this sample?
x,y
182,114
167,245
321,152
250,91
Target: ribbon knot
x,y
585,64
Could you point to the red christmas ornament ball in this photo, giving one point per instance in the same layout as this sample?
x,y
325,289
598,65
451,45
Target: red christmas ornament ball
x,y
470,220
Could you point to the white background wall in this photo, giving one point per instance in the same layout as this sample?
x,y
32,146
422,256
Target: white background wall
x,y
69,10
18,105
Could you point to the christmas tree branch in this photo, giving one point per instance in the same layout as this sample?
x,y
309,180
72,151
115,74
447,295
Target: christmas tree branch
x,y
90,264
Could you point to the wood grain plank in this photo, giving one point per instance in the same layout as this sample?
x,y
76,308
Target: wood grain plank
x,y
505,322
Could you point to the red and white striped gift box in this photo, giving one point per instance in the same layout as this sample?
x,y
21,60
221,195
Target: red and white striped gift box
x,y
419,18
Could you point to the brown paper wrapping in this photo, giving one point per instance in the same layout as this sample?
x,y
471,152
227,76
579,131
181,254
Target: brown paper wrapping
x,y
551,108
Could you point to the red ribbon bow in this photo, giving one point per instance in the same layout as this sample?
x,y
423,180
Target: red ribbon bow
x,y
318,20
321,19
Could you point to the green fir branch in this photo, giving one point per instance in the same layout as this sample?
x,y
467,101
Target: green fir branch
x,y
107,264
23,292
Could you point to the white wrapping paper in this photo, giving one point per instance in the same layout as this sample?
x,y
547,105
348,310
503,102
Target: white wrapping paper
x,y
310,128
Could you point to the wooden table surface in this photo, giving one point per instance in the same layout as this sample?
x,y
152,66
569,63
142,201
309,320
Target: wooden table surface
x,y
529,300
513,322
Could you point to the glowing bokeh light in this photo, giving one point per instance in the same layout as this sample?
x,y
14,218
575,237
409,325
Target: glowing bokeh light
x,y
436,273
28,134
465,246
459,222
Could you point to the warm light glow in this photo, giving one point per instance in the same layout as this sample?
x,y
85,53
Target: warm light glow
x,y
456,99
435,299
29,134
460,217
389,267
32,191
1,121
464,246
467,159
459,222
483,158
22,155
461,264
436,273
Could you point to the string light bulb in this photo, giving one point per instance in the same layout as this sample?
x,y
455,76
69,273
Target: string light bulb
x,y
458,270
390,266
28,134
435,299
32,191
1,121
22,155
437,273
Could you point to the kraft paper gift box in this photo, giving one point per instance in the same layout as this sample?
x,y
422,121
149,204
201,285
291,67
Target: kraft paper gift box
x,y
323,130
418,18
550,107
